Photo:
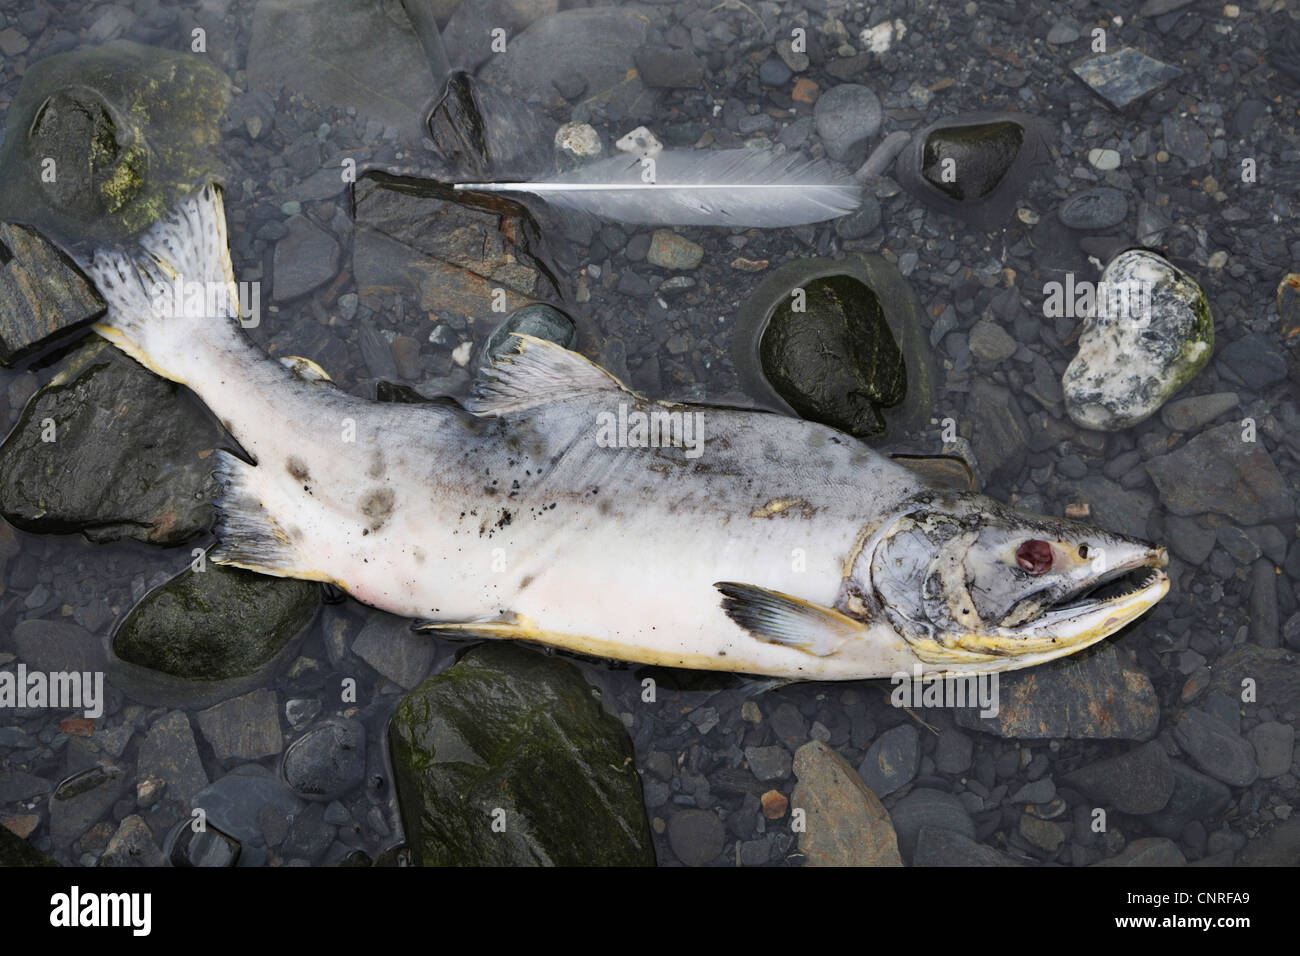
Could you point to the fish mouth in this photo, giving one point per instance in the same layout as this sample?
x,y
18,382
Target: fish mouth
x,y
1091,612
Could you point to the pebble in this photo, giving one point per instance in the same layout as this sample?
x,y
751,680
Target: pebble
x,y
769,763
1098,208
1190,414
846,117
1137,782
1253,362
1125,75
1104,159
170,754
696,836
1215,748
846,825
327,761
925,807
243,728
1274,745
578,142
891,762
671,251
305,259
774,72
989,342
954,750
1062,32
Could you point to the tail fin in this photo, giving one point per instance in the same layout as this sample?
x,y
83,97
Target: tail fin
x,y
151,316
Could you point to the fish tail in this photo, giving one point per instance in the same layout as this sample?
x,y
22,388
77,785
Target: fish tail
x,y
172,295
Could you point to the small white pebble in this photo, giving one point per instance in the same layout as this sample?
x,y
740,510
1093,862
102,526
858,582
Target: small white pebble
x,y
460,354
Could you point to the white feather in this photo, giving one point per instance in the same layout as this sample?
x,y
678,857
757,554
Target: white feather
x,y
729,187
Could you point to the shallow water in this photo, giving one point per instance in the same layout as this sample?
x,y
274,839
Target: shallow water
x,y
665,344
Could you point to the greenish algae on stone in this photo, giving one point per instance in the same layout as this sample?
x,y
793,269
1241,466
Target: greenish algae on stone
x,y
508,759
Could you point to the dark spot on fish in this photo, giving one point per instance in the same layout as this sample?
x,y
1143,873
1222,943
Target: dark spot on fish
x,y
528,579
377,505
297,467
376,469
418,555
605,507
505,518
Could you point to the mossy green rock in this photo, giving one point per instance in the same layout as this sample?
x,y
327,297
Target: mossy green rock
x,y
840,342
15,851
516,738
128,129
215,624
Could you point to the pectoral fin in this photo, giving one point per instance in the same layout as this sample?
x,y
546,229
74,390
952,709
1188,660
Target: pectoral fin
x,y
781,619
508,627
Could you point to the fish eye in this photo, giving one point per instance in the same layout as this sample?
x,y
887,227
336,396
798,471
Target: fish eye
x,y
1083,550
1034,556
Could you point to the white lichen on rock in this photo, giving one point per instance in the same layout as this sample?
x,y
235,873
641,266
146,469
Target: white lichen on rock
x,y
1147,336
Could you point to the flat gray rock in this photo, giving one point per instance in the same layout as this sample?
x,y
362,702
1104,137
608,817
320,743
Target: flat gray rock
x,y
1125,75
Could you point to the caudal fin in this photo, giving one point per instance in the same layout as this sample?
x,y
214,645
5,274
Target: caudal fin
x,y
175,288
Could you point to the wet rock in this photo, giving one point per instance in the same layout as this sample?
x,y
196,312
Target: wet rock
x,y
309,835
1274,745
1195,797
55,645
208,848
1062,32
481,133
1001,436
599,44
924,807
1216,748
1043,834
1139,345
1218,471
891,761
170,754
1288,306
147,477
1273,671
216,624
670,69
577,143
974,166
512,736
1148,851
1264,629
1098,208
305,259
1190,414
299,45
1278,846
1087,696
129,129
954,751
860,223
41,293
1124,76
244,728
232,804
696,836
942,847
1110,505
1139,781
1253,362
15,851
540,320
18,785
390,646
846,825
846,117
81,799
443,256
838,342
768,763
1186,140
327,761
467,35
671,251
132,845
990,343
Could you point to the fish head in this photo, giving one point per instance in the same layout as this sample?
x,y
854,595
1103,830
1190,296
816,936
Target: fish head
x,y
966,580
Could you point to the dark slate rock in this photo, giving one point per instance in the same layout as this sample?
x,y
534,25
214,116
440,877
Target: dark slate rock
x,y
509,729
937,846
1139,781
147,477
15,851
232,804
1125,75
215,624
1217,471
892,761
1190,414
928,808
774,72
861,222
1253,362
1148,852
1186,140
132,845
309,835
243,728
305,259
390,646
1274,672
846,117
954,751
327,761
672,69
1098,208
57,645
696,836
41,292
1086,696
1216,748
1001,437
538,319
170,754
82,799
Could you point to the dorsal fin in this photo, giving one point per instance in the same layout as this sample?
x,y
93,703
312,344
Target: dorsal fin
x,y
536,373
